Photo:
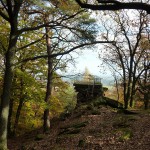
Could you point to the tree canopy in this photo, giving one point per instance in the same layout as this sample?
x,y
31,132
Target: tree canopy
x,y
35,37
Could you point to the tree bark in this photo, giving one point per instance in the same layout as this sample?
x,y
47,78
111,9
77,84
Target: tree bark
x,y
12,9
115,5
116,84
146,100
5,99
7,84
133,92
10,133
146,89
18,115
46,125
21,101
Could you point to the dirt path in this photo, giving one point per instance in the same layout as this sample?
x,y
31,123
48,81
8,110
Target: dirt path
x,y
97,129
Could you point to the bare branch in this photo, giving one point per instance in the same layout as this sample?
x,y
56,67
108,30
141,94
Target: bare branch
x,y
64,53
50,24
115,5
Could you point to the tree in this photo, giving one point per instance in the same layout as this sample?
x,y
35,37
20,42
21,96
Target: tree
x,y
10,12
61,41
65,94
114,5
25,13
26,77
126,52
79,30
144,80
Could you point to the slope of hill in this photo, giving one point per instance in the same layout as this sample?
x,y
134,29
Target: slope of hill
x,y
90,127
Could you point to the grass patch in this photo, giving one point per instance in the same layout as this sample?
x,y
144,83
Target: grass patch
x,y
126,134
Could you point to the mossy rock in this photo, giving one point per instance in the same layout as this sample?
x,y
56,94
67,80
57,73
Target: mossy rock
x,y
82,107
121,122
81,143
70,131
22,147
76,125
124,121
126,112
99,101
64,131
96,112
132,118
73,129
64,116
80,125
90,107
39,137
113,103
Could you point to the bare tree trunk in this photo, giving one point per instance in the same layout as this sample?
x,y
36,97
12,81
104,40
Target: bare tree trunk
x,y
46,125
5,99
7,84
124,89
10,133
146,100
133,91
21,101
127,96
116,82
130,82
18,115
147,89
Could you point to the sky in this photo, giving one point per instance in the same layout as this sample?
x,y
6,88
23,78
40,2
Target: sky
x,y
89,59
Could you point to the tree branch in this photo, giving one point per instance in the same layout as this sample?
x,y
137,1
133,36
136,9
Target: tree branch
x,y
50,24
4,16
115,5
32,43
64,53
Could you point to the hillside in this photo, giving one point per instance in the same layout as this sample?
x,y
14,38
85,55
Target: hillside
x,y
90,127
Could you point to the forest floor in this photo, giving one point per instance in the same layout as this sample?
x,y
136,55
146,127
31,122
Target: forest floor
x,y
90,128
